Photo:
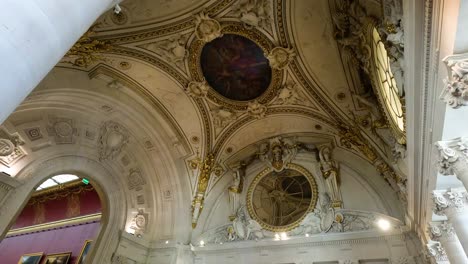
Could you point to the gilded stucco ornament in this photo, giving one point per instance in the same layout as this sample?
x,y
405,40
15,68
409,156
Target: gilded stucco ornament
x,y
330,171
206,28
277,152
86,51
197,89
455,93
112,139
256,109
280,57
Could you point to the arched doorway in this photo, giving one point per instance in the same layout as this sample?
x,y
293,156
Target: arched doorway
x,y
59,223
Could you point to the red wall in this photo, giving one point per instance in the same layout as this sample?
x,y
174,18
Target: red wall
x,y
53,241
59,206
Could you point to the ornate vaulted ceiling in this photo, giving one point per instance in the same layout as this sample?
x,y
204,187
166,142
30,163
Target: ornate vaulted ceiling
x,y
142,68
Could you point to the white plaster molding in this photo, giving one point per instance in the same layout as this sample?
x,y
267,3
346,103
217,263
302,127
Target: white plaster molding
x,y
455,93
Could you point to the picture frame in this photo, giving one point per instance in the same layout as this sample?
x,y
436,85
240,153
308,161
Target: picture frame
x,y
58,258
84,252
31,258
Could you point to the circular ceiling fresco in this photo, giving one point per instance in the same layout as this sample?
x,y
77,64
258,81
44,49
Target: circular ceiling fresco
x,y
279,200
235,67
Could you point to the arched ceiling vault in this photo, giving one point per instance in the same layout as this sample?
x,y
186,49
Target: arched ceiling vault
x,y
140,67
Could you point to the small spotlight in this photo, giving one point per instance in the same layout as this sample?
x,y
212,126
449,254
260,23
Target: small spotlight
x,y
220,243
277,236
307,235
167,241
202,243
284,236
383,224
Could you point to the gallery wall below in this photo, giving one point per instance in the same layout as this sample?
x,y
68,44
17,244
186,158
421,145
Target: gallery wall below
x,y
67,239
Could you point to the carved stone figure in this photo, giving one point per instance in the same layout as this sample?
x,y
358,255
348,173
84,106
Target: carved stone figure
x,y
139,223
256,109
254,230
234,191
197,89
206,28
310,225
280,57
112,139
254,13
330,172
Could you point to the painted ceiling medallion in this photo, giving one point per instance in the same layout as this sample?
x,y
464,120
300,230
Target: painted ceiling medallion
x,y
235,67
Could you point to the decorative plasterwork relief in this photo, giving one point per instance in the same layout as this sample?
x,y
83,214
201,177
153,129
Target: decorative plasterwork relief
x,y
112,139
197,89
135,180
455,93
254,13
256,109
440,229
173,50
436,251
453,157
139,223
277,152
62,129
222,117
291,94
206,28
280,57
10,150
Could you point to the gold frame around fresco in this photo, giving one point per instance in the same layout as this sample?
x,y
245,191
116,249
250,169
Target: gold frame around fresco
x,y
58,255
254,35
289,227
32,255
88,241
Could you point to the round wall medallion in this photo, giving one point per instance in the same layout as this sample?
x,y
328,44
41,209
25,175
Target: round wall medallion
x,y
6,147
279,201
235,67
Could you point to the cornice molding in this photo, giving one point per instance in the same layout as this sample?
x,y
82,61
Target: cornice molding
x,y
55,225
455,93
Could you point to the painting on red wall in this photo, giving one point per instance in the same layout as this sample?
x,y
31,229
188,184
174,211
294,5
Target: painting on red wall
x,y
58,258
31,258
84,252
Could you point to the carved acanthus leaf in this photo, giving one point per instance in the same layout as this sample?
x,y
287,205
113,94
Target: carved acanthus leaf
x,y
455,93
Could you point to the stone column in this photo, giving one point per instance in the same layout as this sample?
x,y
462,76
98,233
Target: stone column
x,y
455,93
453,204
34,36
443,232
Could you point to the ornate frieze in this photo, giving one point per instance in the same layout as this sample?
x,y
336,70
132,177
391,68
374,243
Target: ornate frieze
x,y
453,157
455,93
112,139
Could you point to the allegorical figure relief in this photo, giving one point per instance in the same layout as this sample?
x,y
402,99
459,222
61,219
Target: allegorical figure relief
x,y
330,172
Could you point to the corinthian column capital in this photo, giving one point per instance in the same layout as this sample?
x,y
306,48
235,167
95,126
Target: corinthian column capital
x,y
450,201
455,93
453,156
436,251
438,230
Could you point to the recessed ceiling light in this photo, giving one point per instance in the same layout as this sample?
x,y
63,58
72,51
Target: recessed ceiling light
x,y
383,224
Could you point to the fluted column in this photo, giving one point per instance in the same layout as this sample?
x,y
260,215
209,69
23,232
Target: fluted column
x,y
34,36
444,233
453,204
455,93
